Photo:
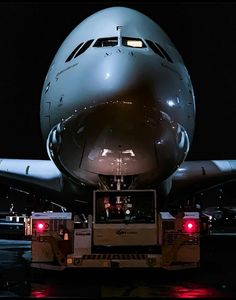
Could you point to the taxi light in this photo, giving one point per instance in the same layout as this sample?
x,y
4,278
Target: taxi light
x,y
190,226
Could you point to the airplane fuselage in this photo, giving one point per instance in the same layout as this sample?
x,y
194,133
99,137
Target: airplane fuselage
x,y
118,101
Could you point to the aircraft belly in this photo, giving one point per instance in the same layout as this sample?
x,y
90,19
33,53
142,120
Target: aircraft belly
x,y
127,156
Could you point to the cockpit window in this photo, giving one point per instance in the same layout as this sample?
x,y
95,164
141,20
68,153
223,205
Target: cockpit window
x,y
73,52
159,50
126,41
154,48
133,42
106,42
165,53
83,48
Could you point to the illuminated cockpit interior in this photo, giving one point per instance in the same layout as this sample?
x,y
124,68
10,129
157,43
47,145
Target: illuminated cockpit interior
x,y
126,41
133,42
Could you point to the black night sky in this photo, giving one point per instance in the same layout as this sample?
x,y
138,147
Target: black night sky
x,y
204,34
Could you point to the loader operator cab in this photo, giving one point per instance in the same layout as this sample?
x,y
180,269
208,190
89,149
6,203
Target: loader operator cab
x,y
124,206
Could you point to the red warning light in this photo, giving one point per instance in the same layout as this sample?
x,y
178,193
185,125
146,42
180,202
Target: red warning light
x,y
190,226
40,226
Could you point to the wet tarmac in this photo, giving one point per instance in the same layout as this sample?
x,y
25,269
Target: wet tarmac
x,y
216,278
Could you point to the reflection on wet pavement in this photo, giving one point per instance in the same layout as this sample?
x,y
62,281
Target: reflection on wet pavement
x,y
194,291
215,279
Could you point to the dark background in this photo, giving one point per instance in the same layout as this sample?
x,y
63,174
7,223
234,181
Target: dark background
x,y
204,34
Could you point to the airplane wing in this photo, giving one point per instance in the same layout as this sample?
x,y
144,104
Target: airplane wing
x,y
30,174
197,176
191,177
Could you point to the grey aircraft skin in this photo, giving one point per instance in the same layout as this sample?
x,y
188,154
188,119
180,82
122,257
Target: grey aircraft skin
x,y
117,112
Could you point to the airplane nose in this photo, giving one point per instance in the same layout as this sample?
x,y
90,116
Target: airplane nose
x,y
120,70
115,139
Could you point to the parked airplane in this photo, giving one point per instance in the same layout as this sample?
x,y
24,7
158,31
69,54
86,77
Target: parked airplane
x,y
117,112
